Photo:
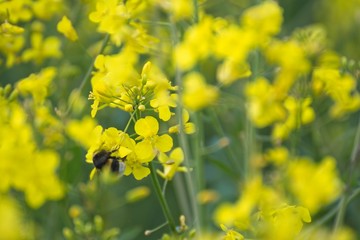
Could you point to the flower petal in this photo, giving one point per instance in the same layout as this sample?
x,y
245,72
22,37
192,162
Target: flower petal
x,y
147,126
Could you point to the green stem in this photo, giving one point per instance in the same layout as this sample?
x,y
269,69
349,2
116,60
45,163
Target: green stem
x,y
196,11
183,142
199,162
88,73
128,123
163,203
345,198
229,151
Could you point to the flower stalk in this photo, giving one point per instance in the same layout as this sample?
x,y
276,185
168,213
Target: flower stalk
x,y
162,200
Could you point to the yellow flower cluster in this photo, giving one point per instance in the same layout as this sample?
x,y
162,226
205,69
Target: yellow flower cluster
x,y
22,160
116,18
13,42
263,211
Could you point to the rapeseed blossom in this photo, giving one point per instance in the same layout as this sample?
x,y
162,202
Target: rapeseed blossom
x,y
66,28
341,88
42,48
11,42
264,107
197,93
314,185
171,163
114,18
18,167
12,221
151,144
298,113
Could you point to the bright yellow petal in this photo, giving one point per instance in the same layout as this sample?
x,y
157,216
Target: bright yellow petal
x,y
164,143
144,151
164,113
147,126
177,154
140,172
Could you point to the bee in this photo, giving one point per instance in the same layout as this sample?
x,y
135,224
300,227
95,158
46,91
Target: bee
x,y
103,158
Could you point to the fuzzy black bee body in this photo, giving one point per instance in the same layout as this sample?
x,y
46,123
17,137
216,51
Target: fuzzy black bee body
x,y
104,158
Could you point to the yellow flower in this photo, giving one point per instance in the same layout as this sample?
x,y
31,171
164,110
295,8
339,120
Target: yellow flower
x,y
10,29
37,85
182,9
17,167
110,140
151,144
299,113
198,94
292,61
11,42
171,163
189,127
254,195
65,27
12,224
277,156
81,131
234,44
230,71
137,194
114,17
266,18
283,223
341,88
231,234
314,185
188,52
42,48
264,107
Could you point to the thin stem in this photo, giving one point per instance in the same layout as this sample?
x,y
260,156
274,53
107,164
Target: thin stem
x,y
88,73
345,198
229,151
183,142
164,186
128,123
161,198
199,162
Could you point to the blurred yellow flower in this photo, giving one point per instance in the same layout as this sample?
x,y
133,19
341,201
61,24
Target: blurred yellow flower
x,y
38,85
17,167
265,18
299,112
12,224
283,223
197,94
264,107
42,48
182,9
314,185
278,156
189,51
341,88
81,130
136,194
65,27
